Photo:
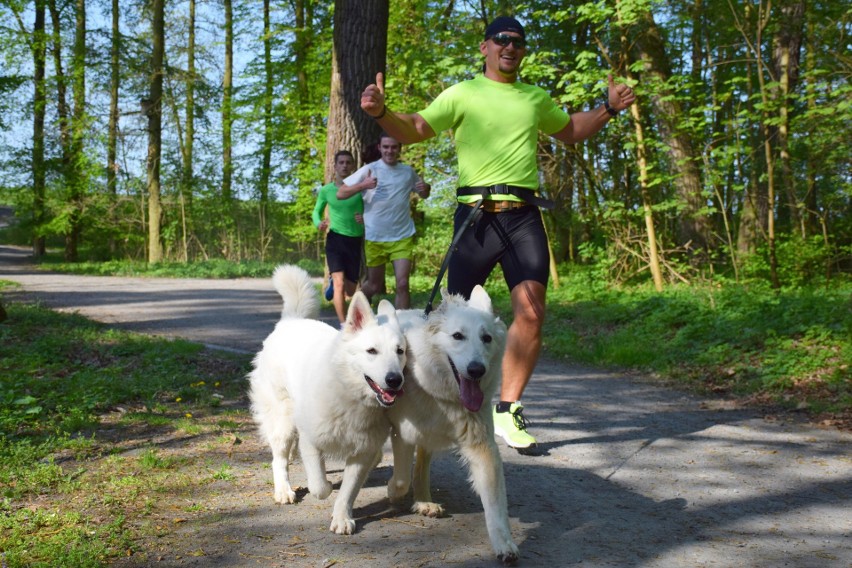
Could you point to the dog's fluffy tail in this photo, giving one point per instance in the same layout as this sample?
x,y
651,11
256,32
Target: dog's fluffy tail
x,y
300,295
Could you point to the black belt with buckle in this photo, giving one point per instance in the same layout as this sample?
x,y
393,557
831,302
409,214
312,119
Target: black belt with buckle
x,y
524,193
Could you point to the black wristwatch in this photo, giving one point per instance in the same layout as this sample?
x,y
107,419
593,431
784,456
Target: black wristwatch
x,y
609,109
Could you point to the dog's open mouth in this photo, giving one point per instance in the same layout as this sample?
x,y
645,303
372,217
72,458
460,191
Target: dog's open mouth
x,y
385,397
469,390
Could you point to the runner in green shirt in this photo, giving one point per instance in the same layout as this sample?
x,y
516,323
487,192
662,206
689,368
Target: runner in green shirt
x,y
344,240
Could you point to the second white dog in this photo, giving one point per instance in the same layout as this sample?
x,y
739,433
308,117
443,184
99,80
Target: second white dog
x,y
327,390
453,371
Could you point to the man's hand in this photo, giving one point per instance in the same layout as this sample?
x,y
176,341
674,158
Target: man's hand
x,y
620,96
373,97
369,182
323,225
422,188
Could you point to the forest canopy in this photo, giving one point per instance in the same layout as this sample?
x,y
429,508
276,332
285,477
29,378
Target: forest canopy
x,y
734,161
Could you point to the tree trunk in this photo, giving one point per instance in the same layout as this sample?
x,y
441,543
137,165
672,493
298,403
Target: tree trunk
x,y
695,225
787,47
78,130
266,145
39,107
227,119
642,163
189,134
811,222
153,109
360,51
65,145
112,128
268,84
763,19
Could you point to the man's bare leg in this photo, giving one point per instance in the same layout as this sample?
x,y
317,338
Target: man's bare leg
x,y
523,345
523,341
375,281
339,299
401,272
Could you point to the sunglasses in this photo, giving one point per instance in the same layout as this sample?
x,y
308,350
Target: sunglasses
x,y
503,40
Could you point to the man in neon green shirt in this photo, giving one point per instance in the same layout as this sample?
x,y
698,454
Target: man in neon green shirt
x,y
345,226
496,120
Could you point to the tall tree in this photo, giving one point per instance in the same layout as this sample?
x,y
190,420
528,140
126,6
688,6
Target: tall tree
x,y
39,48
112,128
79,177
694,222
153,108
227,105
786,44
360,51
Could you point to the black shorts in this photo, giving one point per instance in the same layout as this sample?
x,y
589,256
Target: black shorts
x,y
513,239
343,254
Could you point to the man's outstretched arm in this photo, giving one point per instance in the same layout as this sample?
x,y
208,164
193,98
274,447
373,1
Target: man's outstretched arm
x,y
586,124
405,128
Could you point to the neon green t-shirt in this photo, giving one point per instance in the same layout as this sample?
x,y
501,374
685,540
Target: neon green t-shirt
x,y
341,212
496,129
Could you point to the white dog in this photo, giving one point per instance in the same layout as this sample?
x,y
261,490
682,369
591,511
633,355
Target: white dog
x,y
453,371
327,390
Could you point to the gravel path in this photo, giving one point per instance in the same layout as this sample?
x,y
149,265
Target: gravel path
x,y
632,473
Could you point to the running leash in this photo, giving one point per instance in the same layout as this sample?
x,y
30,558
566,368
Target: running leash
x,y
467,222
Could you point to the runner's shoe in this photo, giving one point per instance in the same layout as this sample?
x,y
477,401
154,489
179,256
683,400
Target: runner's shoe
x,y
512,427
329,290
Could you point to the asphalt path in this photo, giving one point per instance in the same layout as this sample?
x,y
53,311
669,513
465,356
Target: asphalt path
x,y
631,473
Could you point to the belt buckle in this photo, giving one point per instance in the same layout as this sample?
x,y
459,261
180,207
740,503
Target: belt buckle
x,y
499,189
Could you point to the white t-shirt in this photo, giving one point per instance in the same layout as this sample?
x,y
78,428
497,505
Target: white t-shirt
x,y
387,217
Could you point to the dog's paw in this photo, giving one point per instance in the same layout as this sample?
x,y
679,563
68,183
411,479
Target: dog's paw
x,y
509,555
342,525
427,509
322,491
285,496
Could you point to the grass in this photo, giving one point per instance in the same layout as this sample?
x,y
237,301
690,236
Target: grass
x,y
77,401
81,479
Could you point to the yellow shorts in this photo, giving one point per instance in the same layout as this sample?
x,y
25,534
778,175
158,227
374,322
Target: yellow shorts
x,y
378,253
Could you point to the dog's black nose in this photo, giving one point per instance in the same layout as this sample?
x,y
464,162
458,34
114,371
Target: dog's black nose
x,y
393,380
475,370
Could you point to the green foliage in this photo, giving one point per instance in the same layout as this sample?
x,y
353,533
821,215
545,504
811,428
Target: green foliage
x,y
793,346
61,371
63,500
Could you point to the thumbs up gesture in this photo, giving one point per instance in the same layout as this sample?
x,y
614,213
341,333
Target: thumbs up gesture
x,y
369,182
373,97
620,96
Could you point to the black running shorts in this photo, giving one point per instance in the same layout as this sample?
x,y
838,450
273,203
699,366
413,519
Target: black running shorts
x,y
514,239
343,254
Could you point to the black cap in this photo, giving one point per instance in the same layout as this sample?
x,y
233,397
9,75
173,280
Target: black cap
x,y
504,24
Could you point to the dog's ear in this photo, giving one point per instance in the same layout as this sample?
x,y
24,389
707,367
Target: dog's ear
x,y
480,299
359,315
388,312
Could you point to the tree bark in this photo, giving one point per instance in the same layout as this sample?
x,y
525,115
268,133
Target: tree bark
x,y
153,109
39,108
786,58
78,129
227,119
360,51
695,226
112,127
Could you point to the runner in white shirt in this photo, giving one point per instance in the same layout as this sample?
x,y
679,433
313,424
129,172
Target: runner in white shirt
x,y
388,228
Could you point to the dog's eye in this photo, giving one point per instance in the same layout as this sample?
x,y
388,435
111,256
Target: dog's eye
x,y
400,350
372,351
486,338
458,336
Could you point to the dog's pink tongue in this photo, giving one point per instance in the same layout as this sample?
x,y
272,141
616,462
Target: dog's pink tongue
x,y
471,394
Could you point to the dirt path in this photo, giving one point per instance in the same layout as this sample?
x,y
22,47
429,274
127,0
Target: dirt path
x,y
633,473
